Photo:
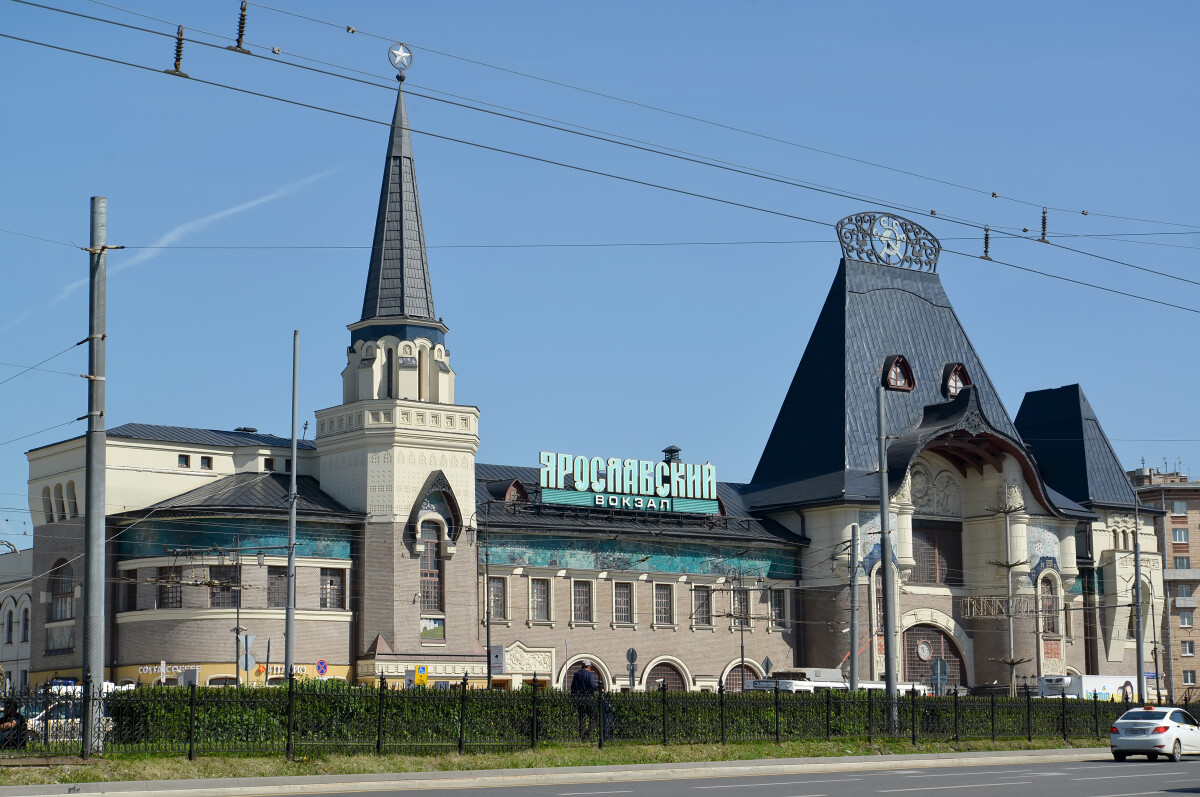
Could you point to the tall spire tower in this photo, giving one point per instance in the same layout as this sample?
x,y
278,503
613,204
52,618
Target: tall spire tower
x,y
398,448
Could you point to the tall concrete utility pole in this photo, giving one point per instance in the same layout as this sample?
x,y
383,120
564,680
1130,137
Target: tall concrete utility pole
x,y
885,557
1137,600
289,633
93,551
853,607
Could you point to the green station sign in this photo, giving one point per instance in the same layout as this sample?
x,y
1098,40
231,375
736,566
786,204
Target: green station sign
x,y
629,484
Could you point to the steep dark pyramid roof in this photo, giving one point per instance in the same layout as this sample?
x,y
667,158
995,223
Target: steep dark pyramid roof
x,y
824,442
1071,449
259,493
398,284
203,437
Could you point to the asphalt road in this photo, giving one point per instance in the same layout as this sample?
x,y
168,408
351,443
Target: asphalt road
x,y
1101,778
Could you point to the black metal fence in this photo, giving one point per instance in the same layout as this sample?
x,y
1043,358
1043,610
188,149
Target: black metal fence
x,y
317,717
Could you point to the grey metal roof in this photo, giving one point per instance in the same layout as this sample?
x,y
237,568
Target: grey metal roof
x,y
1073,452
824,445
257,493
737,523
398,282
204,437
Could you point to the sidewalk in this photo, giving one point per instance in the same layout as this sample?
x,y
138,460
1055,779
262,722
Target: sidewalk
x,y
547,776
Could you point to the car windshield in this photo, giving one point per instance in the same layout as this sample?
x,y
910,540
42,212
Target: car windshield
x,y
1144,715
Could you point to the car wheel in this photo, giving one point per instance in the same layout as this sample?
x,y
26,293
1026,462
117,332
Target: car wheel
x,y
1176,751
1119,756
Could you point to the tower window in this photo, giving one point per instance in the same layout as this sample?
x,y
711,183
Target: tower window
x,y
269,464
205,463
185,461
955,379
897,375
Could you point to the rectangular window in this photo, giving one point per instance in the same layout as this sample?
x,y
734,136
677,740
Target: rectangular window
x,y
333,588
1185,619
1183,562
170,591
496,598
664,604
205,463
623,602
128,596
1179,507
702,606
185,461
1188,648
431,568
222,589
581,602
287,466
739,608
777,610
939,557
276,587
1179,534
1183,590
1189,677
269,464
539,599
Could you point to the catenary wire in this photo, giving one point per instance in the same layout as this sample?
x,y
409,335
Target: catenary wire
x,y
574,167
35,366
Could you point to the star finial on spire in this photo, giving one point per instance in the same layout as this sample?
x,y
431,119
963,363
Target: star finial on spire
x,y
400,55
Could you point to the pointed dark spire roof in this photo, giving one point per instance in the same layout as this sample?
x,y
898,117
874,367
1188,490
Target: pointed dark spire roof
x,y
398,284
1072,450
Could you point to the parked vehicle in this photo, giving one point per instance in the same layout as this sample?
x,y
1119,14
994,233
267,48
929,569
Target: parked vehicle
x,y
815,679
1085,687
57,716
1153,731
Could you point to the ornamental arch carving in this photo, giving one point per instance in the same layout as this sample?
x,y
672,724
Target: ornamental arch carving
x,y
934,491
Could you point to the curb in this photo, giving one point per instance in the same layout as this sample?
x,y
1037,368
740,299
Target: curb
x,y
548,776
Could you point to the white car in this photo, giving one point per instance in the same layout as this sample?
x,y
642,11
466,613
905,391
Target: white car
x,y
1153,731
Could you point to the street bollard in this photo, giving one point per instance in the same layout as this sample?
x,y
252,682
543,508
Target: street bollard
x,y
192,724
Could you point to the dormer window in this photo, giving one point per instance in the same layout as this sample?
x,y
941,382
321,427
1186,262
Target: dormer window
x,y
897,375
955,380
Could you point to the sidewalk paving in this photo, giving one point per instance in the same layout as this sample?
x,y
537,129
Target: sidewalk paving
x,y
547,776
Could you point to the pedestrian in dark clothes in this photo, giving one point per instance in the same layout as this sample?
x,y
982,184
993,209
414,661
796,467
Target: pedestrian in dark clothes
x,y
583,692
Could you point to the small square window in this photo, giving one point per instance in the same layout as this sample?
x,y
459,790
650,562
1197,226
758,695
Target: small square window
x,y
269,464
1179,507
1179,535
1183,590
1189,677
287,466
1185,619
1183,562
1187,648
185,461
205,463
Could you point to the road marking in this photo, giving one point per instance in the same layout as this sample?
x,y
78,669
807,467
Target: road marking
x,y
1018,773
1132,794
782,783
573,793
1115,777
961,786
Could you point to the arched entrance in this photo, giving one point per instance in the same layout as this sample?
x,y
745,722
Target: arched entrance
x,y
667,673
577,666
923,644
738,675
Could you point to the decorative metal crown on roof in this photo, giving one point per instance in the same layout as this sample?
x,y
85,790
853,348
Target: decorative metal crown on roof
x,y
889,241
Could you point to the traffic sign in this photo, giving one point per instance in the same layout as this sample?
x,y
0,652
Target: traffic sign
x,y
767,664
247,662
631,655
322,667
939,668
422,678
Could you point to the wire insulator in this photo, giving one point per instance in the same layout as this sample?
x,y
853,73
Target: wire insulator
x,y
1043,238
987,241
241,26
178,70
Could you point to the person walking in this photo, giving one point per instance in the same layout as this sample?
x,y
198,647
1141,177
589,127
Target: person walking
x,y
583,692
12,726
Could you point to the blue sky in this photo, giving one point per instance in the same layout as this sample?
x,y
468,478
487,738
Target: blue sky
x,y
608,350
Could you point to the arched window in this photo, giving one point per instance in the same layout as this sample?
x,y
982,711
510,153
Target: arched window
x,y
422,373
60,508
1048,600
47,505
668,674
390,365
8,628
955,380
72,501
431,567
25,624
923,644
738,676
62,592
897,375
576,667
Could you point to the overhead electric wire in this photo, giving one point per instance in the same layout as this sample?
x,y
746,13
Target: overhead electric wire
x,y
29,368
653,149
733,128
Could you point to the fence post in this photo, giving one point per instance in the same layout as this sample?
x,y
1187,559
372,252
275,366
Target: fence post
x,y
600,715
776,712
533,717
87,715
992,704
1028,716
291,717
462,716
192,724
379,716
1096,713
913,713
956,714
828,713
870,715
721,701
662,688
1064,715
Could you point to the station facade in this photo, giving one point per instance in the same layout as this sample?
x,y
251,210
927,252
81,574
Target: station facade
x,y
413,557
